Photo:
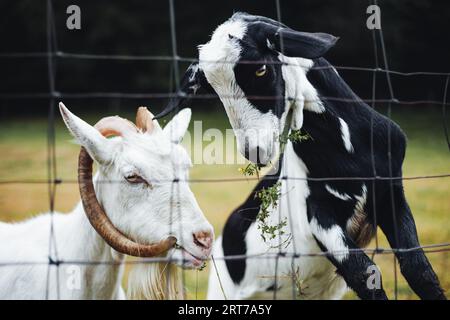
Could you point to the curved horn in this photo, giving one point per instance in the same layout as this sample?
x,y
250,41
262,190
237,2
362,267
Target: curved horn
x,y
144,120
115,126
94,211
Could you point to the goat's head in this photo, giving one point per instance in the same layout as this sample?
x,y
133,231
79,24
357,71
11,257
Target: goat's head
x,y
141,187
257,67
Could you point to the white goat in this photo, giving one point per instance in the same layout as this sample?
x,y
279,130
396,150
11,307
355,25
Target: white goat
x,y
134,192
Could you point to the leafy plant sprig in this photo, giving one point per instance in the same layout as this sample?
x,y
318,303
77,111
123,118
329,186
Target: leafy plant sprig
x,y
294,136
298,282
269,198
250,170
203,266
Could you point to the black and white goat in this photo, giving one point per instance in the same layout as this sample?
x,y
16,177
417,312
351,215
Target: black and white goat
x,y
261,70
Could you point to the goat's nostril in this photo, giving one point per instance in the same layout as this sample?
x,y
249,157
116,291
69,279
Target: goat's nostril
x,y
258,158
203,239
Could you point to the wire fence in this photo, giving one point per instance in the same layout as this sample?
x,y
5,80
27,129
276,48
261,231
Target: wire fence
x,y
54,53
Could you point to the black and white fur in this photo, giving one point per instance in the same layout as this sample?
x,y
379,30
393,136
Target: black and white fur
x,y
335,216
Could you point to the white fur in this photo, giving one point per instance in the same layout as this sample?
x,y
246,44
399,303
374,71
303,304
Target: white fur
x,y
178,126
319,280
145,214
362,199
75,240
220,49
160,282
358,213
332,239
299,89
214,285
345,133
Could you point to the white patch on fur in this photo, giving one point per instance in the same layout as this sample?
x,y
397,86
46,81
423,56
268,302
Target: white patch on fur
x,y
362,199
358,212
337,194
298,88
332,239
345,134
221,49
194,69
297,84
358,228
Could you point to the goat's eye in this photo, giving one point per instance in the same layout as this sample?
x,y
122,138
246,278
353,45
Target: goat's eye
x,y
134,178
261,71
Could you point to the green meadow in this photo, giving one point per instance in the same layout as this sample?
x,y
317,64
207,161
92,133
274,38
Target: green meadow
x,y
23,149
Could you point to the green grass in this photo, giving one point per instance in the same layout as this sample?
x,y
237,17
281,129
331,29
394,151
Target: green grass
x,y
23,149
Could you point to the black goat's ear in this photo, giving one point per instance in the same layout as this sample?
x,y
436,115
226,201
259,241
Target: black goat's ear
x,y
303,44
292,43
193,82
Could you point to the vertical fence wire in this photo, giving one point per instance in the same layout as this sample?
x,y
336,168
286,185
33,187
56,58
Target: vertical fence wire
x,y
444,112
277,259
372,146
176,181
389,142
51,151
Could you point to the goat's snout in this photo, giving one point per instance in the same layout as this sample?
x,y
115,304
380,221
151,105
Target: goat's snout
x,y
204,240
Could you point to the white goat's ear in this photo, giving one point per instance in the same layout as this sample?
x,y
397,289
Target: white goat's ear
x,y
98,147
177,127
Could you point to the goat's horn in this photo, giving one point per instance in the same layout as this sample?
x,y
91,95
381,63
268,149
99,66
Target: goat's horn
x,y
115,126
144,120
94,211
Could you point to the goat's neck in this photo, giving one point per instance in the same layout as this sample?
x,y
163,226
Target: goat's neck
x,y
83,243
86,241
293,190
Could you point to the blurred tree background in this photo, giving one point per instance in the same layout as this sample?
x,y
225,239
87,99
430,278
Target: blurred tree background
x,y
415,31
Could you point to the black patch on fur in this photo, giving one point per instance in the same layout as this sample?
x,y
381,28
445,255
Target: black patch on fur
x,y
272,288
266,92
